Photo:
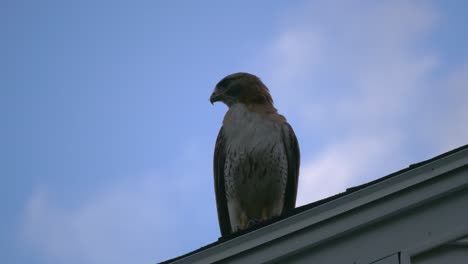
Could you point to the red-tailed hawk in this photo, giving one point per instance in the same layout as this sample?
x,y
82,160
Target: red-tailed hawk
x,y
256,159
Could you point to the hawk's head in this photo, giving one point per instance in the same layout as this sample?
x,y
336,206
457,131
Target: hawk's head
x,y
243,88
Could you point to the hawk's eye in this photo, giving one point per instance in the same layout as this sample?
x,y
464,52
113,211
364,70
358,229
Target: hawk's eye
x,y
225,83
234,90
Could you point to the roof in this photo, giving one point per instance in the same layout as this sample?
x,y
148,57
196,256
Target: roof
x,y
299,212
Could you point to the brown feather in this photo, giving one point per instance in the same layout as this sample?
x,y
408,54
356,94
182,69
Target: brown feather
x,y
218,169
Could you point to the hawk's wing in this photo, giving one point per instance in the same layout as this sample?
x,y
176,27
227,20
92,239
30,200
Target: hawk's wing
x,y
293,156
218,166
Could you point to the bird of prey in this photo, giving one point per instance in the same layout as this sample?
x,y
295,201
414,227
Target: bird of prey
x,y
256,158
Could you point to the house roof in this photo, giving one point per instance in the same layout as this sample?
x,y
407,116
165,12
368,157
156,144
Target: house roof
x,y
433,163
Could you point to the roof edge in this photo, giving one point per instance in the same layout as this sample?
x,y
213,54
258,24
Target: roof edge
x,y
321,210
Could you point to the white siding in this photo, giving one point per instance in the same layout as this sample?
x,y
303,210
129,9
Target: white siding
x,y
453,253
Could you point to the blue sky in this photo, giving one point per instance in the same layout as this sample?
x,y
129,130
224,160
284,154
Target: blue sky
x,y
107,133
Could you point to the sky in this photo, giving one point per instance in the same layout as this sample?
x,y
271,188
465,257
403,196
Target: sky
x,y
107,134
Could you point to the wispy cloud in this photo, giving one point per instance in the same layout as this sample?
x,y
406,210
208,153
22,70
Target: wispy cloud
x,y
139,221
339,166
453,126
352,75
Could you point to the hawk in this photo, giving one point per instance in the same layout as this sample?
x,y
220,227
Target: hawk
x,y
256,158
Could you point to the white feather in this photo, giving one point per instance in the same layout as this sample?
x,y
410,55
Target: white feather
x,y
252,139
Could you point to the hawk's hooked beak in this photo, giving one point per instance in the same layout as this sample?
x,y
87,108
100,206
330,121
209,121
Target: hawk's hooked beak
x,y
215,97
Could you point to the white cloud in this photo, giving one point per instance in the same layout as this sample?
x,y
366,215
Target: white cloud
x,y
335,169
453,129
364,52
352,75
295,53
130,222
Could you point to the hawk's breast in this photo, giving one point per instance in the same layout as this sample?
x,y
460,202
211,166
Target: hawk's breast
x,y
255,168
